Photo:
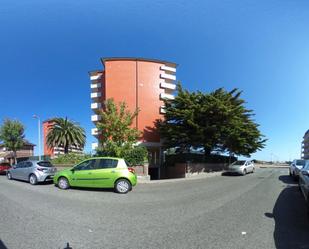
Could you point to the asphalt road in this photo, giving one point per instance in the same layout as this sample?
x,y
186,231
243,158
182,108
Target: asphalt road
x,y
260,210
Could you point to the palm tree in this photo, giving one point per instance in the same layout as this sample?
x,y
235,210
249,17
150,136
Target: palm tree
x,y
65,133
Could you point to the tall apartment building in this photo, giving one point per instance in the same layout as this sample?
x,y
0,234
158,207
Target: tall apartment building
x,y
55,151
141,83
305,146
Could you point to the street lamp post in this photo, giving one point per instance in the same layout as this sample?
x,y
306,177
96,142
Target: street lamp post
x,y
39,134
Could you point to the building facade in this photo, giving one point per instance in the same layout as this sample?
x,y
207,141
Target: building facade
x,y
140,83
8,156
305,146
55,151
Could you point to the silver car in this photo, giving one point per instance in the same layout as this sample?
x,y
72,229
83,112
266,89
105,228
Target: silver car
x,y
304,182
295,167
32,171
241,167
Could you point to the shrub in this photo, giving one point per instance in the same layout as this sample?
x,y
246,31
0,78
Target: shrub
x,y
136,155
71,158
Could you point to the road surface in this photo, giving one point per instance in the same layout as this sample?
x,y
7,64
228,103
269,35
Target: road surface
x,y
260,210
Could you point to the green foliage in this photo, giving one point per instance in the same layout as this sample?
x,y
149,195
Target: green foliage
x,y
115,125
65,133
12,135
134,155
117,137
216,121
70,158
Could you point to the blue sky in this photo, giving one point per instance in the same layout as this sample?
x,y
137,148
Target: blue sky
x,y
261,47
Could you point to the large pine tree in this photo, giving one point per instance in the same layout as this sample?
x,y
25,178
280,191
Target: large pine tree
x,y
215,121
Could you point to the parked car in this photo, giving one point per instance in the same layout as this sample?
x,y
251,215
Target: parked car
x,y
4,167
304,182
99,172
241,167
32,171
295,167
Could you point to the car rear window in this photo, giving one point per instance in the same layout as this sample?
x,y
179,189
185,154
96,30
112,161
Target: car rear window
x,y
45,164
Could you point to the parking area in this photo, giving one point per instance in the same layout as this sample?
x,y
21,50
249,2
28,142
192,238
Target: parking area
x,y
264,209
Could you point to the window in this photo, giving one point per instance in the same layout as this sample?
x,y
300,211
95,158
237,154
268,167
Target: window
x,y
106,163
27,164
19,165
86,165
45,164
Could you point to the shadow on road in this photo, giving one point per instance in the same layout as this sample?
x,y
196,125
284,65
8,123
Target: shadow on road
x,y
291,219
287,179
2,245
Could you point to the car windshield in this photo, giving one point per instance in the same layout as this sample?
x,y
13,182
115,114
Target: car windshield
x,y
45,164
238,163
301,162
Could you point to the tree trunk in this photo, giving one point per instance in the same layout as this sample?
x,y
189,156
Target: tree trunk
x,y
15,157
66,149
207,151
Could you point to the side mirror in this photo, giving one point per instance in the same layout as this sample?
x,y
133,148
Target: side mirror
x,y
305,172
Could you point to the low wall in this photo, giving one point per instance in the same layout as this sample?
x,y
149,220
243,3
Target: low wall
x,y
183,170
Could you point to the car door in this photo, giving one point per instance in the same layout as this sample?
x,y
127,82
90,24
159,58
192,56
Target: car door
x,y
16,171
105,173
305,181
82,174
251,166
25,170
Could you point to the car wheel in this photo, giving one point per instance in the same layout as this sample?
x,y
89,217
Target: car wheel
x,y
9,176
63,183
122,186
244,172
33,179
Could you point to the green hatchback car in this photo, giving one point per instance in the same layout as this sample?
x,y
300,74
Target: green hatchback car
x,y
98,172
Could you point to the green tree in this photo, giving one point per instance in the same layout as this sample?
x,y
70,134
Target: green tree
x,y
115,125
12,135
117,136
65,133
216,121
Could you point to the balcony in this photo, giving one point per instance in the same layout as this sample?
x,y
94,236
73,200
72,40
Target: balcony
x,y
95,106
95,86
162,110
96,95
94,146
95,77
94,132
167,96
168,76
167,68
95,118
167,85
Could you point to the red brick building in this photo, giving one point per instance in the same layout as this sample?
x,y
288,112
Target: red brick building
x,y
141,83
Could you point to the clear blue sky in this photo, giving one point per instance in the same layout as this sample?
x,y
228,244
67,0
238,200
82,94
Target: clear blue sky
x,y
261,47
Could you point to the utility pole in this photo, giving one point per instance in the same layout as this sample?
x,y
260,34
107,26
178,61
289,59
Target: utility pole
x,y
39,134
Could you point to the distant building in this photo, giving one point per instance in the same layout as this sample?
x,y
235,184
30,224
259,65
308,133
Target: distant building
x,y
8,156
305,146
55,151
140,83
